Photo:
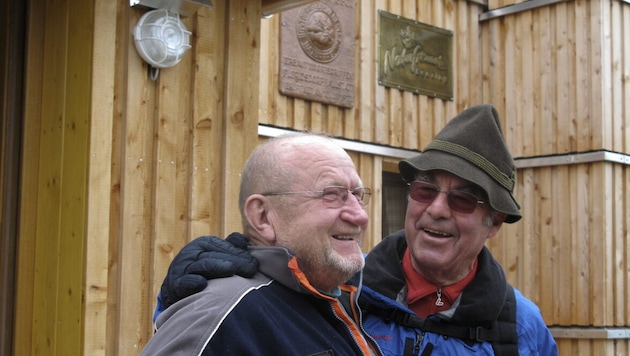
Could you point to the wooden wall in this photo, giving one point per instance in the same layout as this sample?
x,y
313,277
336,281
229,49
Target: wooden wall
x,y
51,242
559,74
120,171
570,253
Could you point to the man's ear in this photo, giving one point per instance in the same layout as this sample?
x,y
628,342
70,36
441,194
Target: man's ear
x,y
496,224
259,215
499,219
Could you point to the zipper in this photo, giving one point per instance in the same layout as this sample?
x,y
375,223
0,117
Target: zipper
x,y
438,301
418,344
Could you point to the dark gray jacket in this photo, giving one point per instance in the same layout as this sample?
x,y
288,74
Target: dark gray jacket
x,y
274,313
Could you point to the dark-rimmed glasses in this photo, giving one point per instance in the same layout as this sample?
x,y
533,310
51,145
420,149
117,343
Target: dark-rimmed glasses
x,y
458,200
334,196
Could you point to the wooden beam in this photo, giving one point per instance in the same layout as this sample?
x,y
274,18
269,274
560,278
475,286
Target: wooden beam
x,y
270,7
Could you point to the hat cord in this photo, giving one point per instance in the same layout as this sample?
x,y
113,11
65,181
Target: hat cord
x,y
476,159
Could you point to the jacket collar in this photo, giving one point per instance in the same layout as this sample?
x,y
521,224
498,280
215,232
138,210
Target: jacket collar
x,y
481,300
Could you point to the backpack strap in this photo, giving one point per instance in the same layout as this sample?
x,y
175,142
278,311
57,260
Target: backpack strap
x,y
443,327
502,334
506,324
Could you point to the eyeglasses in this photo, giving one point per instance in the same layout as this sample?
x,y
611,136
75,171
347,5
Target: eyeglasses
x,y
334,196
458,200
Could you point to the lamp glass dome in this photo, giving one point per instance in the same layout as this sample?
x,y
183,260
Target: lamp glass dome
x,y
161,38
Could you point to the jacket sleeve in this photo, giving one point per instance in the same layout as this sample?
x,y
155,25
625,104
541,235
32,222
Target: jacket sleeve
x,y
534,338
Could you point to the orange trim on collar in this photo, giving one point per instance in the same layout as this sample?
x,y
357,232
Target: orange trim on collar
x,y
337,308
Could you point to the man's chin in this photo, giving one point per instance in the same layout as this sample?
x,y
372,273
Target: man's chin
x,y
351,264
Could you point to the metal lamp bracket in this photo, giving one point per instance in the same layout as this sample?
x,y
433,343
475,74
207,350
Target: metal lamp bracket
x,y
182,7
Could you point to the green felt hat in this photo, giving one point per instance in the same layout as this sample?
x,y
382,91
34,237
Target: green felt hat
x,y
471,146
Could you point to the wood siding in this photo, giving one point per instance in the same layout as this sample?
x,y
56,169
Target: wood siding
x,y
120,171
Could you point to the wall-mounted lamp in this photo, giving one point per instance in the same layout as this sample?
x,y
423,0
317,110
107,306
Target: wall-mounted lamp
x,y
160,36
161,39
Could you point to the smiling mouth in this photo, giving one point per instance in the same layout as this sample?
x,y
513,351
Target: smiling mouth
x,y
436,233
343,237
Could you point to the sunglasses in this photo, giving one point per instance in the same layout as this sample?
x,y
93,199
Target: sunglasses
x,y
458,200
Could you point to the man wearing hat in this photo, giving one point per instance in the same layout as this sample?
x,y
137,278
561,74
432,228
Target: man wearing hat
x,y
436,274
434,288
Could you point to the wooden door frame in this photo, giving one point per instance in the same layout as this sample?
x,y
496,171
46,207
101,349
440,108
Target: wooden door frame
x,y
12,34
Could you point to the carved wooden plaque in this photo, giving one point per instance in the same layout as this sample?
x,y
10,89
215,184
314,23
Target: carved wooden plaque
x,y
415,57
317,52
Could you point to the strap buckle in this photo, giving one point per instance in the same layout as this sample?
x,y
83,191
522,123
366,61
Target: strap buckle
x,y
478,334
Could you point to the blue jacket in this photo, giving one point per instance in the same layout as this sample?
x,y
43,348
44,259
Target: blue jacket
x,y
479,305
277,312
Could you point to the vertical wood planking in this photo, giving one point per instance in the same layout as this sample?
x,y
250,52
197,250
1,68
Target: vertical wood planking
x,y
172,172
317,115
339,124
409,114
426,121
124,56
582,75
546,261
370,178
620,257
281,103
207,126
513,63
73,177
564,68
563,201
47,236
529,72
132,256
375,165
268,62
581,289
381,118
99,179
544,116
461,86
600,243
438,18
616,127
601,66
366,74
478,57
241,101
449,22
301,114
527,245
624,246
394,111
26,265
625,111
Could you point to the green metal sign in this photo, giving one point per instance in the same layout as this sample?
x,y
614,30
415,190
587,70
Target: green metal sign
x,y
415,57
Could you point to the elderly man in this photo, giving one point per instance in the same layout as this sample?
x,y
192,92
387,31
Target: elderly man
x,y
302,205
437,274
434,288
